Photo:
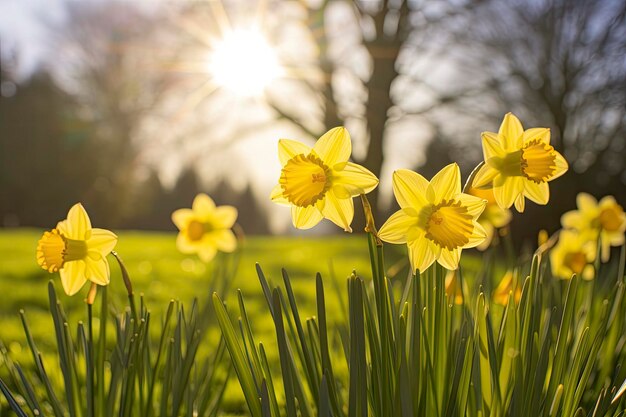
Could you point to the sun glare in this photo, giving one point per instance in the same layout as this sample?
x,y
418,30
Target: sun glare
x,y
244,63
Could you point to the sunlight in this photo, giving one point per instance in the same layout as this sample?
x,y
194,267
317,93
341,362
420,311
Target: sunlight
x,y
244,63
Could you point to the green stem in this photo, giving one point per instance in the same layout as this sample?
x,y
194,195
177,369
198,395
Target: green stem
x,y
90,363
128,284
470,179
101,353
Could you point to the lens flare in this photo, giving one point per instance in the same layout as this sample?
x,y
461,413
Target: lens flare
x,y
244,63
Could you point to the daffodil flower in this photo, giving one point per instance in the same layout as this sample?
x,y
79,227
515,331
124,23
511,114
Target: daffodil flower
x,y
454,291
436,220
519,163
505,287
77,251
573,254
492,218
205,228
320,182
605,220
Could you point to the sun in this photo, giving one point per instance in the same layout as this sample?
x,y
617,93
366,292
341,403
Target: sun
x,y
243,62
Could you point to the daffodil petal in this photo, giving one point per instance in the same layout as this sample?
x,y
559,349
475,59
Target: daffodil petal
x,y
421,254
479,236
586,201
537,192
341,191
449,258
410,189
520,203
396,228
511,133
355,178
224,239
225,216
73,276
339,210
491,145
184,245
62,227
475,205
561,166
587,273
97,271
498,217
78,223
571,219
484,177
334,146
182,217
506,190
486,241
606,201
540,133
203,205
277,196
102,240
445,184
207,253
287,149
305,217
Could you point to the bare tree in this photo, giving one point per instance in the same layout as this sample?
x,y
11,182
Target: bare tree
x,y
558,64
561,63
375,52
106,51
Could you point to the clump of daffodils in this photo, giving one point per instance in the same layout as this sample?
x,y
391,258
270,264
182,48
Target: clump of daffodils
x,y
76,251
594,221
320,182
519,164
205,228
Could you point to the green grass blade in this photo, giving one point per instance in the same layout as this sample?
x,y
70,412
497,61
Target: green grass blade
x,y
239,360
283,353
11,400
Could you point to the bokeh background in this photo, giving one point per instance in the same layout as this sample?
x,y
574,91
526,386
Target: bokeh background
x,y
133,107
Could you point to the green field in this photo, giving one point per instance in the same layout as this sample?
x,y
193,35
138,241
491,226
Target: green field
x,y
161,273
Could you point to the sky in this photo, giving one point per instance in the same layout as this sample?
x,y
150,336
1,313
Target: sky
x,y
26,26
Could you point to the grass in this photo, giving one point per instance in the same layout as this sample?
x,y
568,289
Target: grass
x,y
301,345
161,273
558,351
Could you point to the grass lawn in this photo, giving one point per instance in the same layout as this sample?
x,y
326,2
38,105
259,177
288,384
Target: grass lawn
x,y
161,273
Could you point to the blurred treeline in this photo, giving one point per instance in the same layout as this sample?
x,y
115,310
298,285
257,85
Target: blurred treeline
x,y
50,156
415,82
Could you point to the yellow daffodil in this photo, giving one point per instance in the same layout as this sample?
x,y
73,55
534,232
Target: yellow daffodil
x,y
605,220
77,251
542,237
205,228
573,254
519,163
505,287
453,288
492,218
436,220
319,182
